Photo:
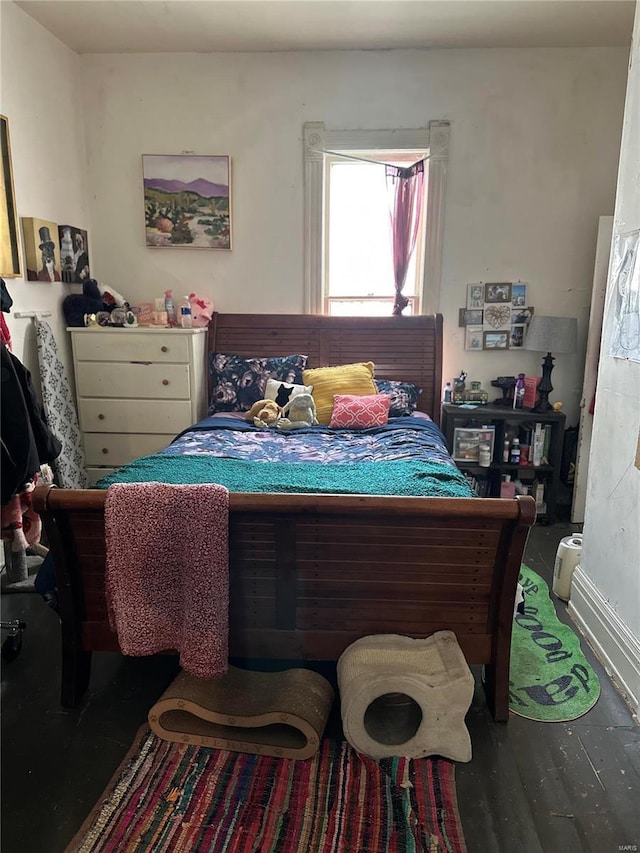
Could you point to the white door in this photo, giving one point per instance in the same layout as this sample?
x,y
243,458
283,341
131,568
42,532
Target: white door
x,y
594,334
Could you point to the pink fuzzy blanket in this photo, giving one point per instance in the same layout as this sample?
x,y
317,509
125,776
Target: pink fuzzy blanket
x,y
167,578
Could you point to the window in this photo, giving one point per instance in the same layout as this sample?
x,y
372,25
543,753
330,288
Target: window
x,y
346,269
357,274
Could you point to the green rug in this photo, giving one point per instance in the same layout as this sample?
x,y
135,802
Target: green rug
x,y
549,678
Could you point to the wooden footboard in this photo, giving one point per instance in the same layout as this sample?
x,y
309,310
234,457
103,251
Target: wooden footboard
x,y
309,574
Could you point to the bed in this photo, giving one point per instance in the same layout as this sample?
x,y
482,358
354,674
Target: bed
x,y
310,573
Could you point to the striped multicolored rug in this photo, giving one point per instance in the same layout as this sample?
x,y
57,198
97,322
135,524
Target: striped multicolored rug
x,y
172,797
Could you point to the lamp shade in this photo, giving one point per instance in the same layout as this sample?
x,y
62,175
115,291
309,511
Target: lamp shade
x,y
552,334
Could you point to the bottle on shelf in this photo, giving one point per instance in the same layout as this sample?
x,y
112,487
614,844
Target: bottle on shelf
x,y
169,307
514,456
446,394
484,455
518,392
506,448
507,487
186,320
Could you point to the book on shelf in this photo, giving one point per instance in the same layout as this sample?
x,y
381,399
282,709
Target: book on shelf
x,y
537,446
530,391
546,445
480,485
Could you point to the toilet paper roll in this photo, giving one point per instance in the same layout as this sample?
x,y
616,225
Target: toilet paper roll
x,y
406,697
567,559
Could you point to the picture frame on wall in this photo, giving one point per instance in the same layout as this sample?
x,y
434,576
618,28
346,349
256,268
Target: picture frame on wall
x,y
74,254
473,339
470,317
495,340
497,292
475,296
516,341
10,266
41,251
187,201
519,294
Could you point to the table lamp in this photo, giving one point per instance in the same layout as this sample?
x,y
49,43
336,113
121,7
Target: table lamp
x,y
544,334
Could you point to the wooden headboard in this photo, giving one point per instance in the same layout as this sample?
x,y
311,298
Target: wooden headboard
x,y
402,348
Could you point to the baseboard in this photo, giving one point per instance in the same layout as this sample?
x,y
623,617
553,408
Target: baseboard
x,y
608,634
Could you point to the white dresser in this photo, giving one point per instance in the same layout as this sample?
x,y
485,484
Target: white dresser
x,y
136,390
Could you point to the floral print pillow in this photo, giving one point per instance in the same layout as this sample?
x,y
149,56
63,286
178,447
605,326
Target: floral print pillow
x,y
404,396
239,381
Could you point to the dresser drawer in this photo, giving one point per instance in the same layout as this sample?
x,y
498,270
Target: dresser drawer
x,y
137,381
95,474
120,448
125,345
153,416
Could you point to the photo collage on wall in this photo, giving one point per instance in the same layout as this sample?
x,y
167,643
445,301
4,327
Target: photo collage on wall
x,y
496,316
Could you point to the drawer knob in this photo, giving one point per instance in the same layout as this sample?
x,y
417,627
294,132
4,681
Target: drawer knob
x,y
164,349
165,381
105,449
100,417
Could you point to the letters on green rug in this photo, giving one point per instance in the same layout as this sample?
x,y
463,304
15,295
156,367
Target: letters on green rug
x,y
549,678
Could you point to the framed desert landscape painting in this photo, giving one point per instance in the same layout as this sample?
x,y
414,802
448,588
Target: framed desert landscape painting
x,y
187,201
9,240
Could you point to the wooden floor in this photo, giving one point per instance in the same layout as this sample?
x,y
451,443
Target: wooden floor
x,y
530,788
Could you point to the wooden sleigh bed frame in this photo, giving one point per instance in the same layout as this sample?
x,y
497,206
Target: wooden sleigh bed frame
x,y
310,574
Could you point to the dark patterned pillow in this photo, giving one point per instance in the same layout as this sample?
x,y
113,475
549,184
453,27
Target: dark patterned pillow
x,y
404,396
238,381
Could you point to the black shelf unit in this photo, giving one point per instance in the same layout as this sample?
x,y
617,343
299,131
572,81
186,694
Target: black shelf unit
x,y
507,421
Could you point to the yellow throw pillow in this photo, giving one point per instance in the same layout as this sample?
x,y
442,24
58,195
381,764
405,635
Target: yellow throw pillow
x,y
354,379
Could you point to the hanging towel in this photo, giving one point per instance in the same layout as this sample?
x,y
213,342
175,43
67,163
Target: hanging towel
x,y
60,409
167,579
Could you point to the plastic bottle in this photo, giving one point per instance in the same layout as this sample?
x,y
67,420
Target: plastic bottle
x,y
186,320
518,392
446,396
169,307
514,457
507,488
506,447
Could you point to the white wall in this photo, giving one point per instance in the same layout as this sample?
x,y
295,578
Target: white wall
x,y
40,96
608,585
535,141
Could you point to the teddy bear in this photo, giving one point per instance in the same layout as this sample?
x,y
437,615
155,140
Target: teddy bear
x,y
264,413
301,412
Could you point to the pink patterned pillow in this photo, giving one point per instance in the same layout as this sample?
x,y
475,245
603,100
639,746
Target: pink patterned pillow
x,y
351,412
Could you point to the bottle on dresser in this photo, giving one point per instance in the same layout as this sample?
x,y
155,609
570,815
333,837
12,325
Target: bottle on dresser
x,y
186,319
514,456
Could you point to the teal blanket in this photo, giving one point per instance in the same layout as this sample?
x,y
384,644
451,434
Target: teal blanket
x,y
413,478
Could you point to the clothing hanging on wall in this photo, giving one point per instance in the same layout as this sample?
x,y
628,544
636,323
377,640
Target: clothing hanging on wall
x,y
27,441
60,410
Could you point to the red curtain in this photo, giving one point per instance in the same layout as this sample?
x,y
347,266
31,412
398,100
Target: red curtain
x,y
405,187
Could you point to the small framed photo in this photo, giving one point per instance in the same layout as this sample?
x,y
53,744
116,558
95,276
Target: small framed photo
x,y
475,295
497,292
517,337
519,295
495,340
521,315
467,441
473,338
470,317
